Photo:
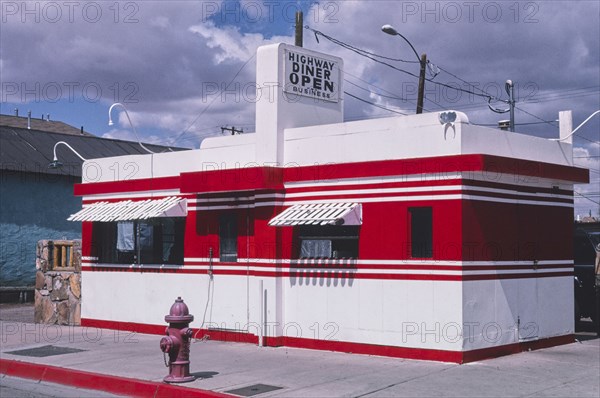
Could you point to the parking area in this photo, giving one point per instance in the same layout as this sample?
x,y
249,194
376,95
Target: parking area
x,y
249,370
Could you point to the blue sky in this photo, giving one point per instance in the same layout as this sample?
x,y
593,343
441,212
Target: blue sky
x,y
168,60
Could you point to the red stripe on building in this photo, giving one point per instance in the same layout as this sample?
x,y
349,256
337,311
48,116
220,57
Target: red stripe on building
x,y
496,166
272,178
345,346
113,187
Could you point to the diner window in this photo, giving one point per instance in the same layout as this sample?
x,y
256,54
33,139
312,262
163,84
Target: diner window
x,y
228,234
328,241
153,241
421,232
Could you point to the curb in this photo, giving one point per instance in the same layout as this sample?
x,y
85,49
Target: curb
x,y
95,381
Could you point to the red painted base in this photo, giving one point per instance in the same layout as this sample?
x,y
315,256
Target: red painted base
x,y
100,382
344,346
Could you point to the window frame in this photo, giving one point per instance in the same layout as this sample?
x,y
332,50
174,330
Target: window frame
x,y
228,238
345,239
420,222
105,237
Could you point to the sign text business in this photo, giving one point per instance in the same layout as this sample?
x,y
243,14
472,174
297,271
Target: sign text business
x,y
311,76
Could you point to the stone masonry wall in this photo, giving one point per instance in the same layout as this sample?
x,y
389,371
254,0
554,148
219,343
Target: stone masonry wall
x,y
57,289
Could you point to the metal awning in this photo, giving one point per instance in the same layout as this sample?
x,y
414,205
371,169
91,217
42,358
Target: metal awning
x,y
126,210
320,214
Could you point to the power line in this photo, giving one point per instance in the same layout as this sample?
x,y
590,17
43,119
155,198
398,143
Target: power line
x,y
537,117
464,81
356,49
587,139
552,95
366,55
585,197
394,97
379,94
213,100
389,92
374,104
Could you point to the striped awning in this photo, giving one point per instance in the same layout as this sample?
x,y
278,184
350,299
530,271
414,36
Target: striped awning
x,y
320,214
127,210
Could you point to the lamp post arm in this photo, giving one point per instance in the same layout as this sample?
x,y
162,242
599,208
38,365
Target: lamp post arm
x,y
411,46
576,128
68,146
130,123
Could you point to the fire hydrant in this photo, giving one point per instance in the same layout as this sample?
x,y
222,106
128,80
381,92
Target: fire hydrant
x,y
176,343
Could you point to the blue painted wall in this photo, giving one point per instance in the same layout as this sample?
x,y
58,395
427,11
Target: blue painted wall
x,y
33,206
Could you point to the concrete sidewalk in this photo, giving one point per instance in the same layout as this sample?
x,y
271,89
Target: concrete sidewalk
x,y
133,364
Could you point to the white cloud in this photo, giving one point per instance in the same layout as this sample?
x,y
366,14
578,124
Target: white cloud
x,y
165,56
589,194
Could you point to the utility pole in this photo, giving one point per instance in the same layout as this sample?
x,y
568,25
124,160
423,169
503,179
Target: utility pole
x,y
421,84
299,22
233,130
510,90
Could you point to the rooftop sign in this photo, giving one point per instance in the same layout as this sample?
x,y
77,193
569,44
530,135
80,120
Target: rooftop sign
x,y
311,76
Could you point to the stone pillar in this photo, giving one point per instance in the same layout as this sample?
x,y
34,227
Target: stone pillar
x,y
58,282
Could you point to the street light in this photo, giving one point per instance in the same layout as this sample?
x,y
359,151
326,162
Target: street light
x,y
389,29
110,123
55,164
577,128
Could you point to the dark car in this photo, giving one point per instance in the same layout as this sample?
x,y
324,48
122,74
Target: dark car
x,y
586,245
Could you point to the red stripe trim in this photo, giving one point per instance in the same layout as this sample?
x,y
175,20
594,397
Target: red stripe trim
x,y
380,185
516,196
518,189
238,179
493,352
349,347
354,266
494,165
272,178
332,274
143,184
100,382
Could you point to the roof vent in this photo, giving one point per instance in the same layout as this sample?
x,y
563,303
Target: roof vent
x,y
29,120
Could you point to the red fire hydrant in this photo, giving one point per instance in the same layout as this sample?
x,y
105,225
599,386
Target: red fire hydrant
x,y
176,343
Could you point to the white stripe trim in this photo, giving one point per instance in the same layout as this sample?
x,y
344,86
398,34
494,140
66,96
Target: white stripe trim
x,y
248,268
135,266
373,180
390,199
483,176
425,190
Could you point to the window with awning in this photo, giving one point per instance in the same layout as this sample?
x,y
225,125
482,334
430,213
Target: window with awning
x,y
320,214
324,230
137,232
127,210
